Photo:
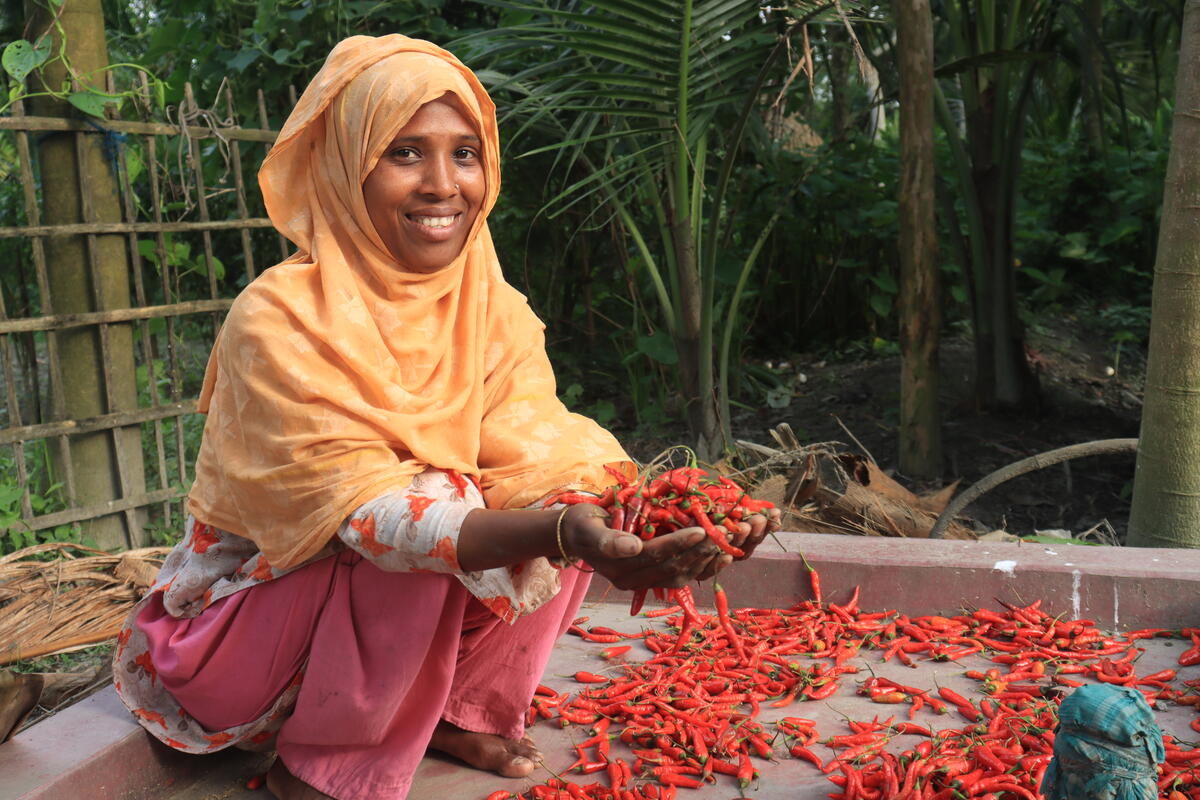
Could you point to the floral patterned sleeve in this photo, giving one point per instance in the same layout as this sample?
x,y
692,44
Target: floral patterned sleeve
x,y
416,530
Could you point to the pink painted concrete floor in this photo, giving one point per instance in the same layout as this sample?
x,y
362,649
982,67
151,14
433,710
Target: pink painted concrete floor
x,y
93,750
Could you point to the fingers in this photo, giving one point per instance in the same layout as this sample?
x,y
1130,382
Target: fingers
x,y
758,527
715,566
591,538
615,544
672,544
670,561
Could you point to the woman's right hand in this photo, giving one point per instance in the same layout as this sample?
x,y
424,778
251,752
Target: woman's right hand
x,y
668,561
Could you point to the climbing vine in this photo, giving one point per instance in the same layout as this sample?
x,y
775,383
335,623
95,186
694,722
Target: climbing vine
x,y
23,57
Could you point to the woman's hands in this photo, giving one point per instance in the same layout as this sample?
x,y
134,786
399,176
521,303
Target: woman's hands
x,y
668,561
750,536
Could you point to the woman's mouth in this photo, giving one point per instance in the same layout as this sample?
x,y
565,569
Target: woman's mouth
x,y
435,222
434,229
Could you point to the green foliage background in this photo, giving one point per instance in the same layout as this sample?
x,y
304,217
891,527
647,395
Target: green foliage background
x,y
827,279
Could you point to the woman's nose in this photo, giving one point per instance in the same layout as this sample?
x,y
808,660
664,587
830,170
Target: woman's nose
x,y
439,177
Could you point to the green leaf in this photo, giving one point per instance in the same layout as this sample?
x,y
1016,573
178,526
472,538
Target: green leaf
x,y
41,51
881,304
603,412
19,59
281,55
571,395
89,103
134,165
243,59
10,493
659,347
1076,246
885,283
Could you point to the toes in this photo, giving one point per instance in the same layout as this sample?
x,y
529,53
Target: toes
x,y
526,748
516,767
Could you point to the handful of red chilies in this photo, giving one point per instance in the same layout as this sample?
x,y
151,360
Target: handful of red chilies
x,y
679,498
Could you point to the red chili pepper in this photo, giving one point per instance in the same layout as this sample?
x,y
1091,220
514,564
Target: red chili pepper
x,y
590,677
716,535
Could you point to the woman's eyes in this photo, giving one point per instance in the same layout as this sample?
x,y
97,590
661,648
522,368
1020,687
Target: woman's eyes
x,y
410,153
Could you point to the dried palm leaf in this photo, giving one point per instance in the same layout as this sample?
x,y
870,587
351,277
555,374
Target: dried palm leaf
x,y
77,598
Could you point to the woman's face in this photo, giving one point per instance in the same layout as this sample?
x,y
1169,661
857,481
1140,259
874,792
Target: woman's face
x,y
425,192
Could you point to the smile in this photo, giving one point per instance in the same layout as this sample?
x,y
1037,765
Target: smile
x,y
435,222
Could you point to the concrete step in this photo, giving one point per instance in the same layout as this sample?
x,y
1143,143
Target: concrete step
x,y
95,751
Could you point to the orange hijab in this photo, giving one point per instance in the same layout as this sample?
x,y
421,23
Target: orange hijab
x,y
339,375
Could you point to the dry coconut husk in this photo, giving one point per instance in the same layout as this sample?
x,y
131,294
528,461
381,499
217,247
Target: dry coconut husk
x,y
823,489
77,598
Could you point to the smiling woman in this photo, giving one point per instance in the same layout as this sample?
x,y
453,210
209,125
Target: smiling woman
x,y
368,569
425,192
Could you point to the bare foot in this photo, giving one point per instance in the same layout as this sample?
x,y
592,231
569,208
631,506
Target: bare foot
x,y
286,786
511,758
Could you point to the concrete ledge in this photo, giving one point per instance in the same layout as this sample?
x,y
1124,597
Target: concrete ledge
x,y
1122,588
90,750
95,750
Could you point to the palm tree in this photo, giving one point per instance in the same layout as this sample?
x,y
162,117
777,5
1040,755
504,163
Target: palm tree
x,y
1166,492
647,103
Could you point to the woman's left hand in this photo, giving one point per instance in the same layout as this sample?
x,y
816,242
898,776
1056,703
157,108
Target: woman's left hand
x,y
750,534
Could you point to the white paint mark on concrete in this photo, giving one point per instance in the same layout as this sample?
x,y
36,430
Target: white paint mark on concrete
x,y
1050,552
1068,563
1007,567
1076,604
1116,606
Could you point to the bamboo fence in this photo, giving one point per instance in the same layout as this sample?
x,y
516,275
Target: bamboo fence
x,y
164,168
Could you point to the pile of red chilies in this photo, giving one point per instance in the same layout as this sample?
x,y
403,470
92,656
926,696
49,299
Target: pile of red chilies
x,y
690,714
683,497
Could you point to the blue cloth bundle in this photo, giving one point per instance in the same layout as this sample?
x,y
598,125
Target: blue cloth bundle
x,y
1106,747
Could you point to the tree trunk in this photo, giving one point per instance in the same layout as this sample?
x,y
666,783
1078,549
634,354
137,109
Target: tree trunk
x,y
1003,379
837,59
704,422
1166,489
75,287
1092,74
920,310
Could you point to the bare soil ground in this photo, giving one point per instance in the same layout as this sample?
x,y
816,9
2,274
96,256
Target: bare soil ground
x,y
856,403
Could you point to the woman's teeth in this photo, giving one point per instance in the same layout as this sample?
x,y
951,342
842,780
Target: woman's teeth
x,y
434,222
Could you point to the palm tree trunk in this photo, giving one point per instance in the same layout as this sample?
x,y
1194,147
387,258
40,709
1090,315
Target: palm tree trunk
x,y
920,311
1166,490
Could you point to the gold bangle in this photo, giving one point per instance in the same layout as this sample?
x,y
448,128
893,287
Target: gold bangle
x,y
567,560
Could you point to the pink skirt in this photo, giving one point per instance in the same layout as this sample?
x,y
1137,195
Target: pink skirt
x,y
384,655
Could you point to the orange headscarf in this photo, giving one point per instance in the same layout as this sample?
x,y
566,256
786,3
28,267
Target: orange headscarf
x,y
339,375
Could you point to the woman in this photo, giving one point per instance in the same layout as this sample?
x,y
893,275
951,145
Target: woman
x,y
367,570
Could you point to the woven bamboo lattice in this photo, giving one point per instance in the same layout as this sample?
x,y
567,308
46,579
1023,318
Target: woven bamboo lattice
x,y
186,209
78,598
